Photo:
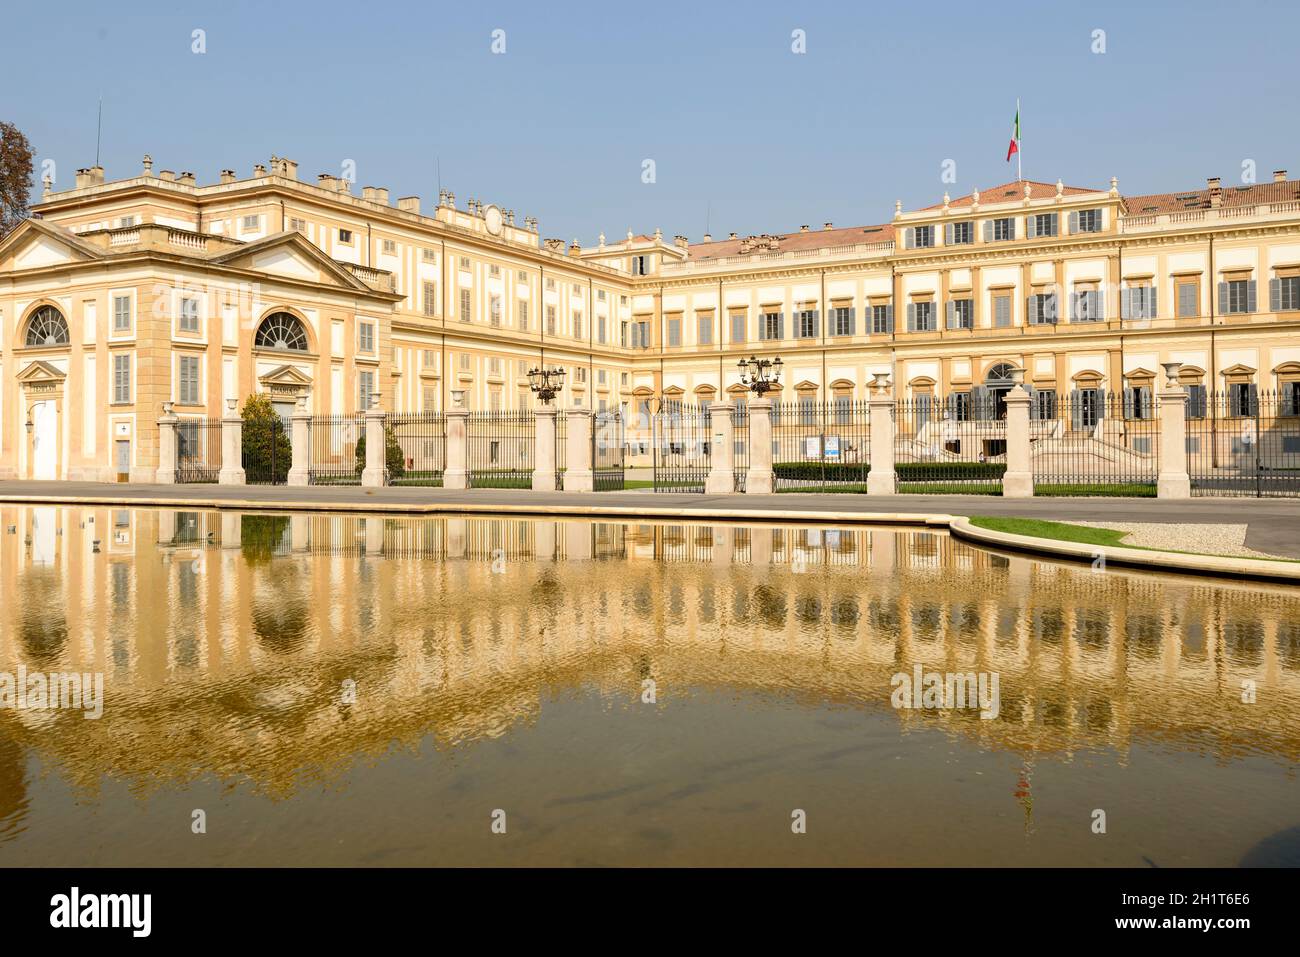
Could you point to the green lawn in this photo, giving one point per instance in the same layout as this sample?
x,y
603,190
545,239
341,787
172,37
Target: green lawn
x,y
1080,534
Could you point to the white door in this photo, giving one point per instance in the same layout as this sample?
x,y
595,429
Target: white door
x,y
45,428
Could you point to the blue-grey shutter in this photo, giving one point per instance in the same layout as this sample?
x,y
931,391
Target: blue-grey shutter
x,y
988,230
1275,295
780,325
1076,409
1029,227
1288,401
817,319
1223,298
853,320
1152,310
909,238
981,401
1098,310
1130,403
911,317
1126,304
1196,397
1034,411
1053,224
1251,304
950,313
1252,400
1011,228
1074,222
1053,307
889,317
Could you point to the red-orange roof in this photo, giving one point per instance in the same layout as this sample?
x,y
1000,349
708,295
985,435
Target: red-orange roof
x,y
786,242
1272,192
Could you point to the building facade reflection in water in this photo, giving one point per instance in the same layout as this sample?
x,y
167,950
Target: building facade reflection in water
x,y
229,641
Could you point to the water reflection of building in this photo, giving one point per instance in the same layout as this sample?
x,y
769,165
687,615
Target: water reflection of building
x,y
225,639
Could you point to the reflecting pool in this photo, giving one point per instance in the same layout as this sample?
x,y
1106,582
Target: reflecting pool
x,y
330,689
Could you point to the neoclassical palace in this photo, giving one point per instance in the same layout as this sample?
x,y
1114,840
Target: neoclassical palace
x,y
117,297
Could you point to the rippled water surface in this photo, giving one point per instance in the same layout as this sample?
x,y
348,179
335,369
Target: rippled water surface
x,y
347,690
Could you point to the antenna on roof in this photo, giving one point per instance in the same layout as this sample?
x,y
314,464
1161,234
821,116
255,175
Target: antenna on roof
x,y
99,128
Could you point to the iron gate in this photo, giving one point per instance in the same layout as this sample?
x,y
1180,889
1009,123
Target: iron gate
x,y
499,448
198,450
1099,443
739,445
336,447
267,452
820,446
947,448
422,437
682,447
1244,442
607,448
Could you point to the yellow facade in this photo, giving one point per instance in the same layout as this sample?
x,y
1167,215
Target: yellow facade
x,y
167,290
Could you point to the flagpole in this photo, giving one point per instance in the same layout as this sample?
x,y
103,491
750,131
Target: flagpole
x,y
1020,176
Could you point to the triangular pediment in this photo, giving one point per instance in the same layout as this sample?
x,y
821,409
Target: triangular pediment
x,y
36,244
285,375
290,255
1238,369
1139,373
41,371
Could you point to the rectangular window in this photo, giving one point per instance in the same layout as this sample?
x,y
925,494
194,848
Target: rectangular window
x,y
428,255
1000,230
1041,224
959,234
464,305
770,326
428,359
494,309
921,316
842,321
920,237
365,388
189,317
674,332
550,320
738,327
430,299
345,236
121,313
882,319
251,223
188,392
1085,221
494,271
1285,294
1197,399
1138,302
523,313
1002,311
1236,296
298,225
601,331
121,378
1088,306
389,247
1041,309
961,314
1189,298
704,330
366,337
640,265
805,324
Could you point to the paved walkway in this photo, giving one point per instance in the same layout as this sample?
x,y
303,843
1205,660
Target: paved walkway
x,y
1273,524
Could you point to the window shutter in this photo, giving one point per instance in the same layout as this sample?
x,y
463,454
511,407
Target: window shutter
x,y
1129,403
1099,304
988,230
1151,310
780,325
1052,307
911,317
1223,298
1029,227
1052,224
1251,304
1074,222
853,320
1196,401
947,234
889,318
979,403
1126,304
1275,295
1076,409
908,238
950,308
1252,399
817,319
1011,228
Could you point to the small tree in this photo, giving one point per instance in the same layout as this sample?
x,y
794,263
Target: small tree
x,y
267,450
15,176
394,457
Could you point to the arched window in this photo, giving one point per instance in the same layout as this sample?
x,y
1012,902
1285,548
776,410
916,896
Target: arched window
x,y
1000,372
282,331
47,327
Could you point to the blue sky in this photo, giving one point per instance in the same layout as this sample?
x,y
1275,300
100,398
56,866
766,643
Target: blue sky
x,y
742,130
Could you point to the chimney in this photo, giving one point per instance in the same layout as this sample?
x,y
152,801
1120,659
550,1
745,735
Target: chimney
x,y
167,176
227,176
1279,176
409,204
325,180
681,242
148,165
826,225
375,194
83,178
554,245
259,171
1216,192
731,236
97,175
574,248
803,228
284,167
186,178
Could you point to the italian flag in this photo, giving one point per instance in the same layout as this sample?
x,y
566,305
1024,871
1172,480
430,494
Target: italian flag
x,y
1014,148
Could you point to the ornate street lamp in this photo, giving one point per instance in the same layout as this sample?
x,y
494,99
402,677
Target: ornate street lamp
x,y
545,383
760,376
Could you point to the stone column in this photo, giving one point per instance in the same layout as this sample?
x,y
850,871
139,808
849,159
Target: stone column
x,y
232,446
544,449
758,480
881,478
166,474
722,458
374,529
1018,482
1173,480
232,530
300,440
578,473
456,474
375,474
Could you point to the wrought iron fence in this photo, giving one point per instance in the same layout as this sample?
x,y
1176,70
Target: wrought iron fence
x,y
739,445
1097,443
336,449
198,450
561,448
820,446
267,452
500,448
1244,442
948,447
682,446
422,439
607,451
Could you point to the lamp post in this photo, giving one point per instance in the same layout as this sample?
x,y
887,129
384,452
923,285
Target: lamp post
x,y
545,383
760,376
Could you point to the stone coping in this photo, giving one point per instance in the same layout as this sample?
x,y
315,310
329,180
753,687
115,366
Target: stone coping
x,y
961,527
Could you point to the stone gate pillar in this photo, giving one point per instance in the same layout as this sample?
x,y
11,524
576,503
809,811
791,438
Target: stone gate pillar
x,y
578,473
166,473
1018,481
758,480
1173,480
722,457
232,446
881,478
